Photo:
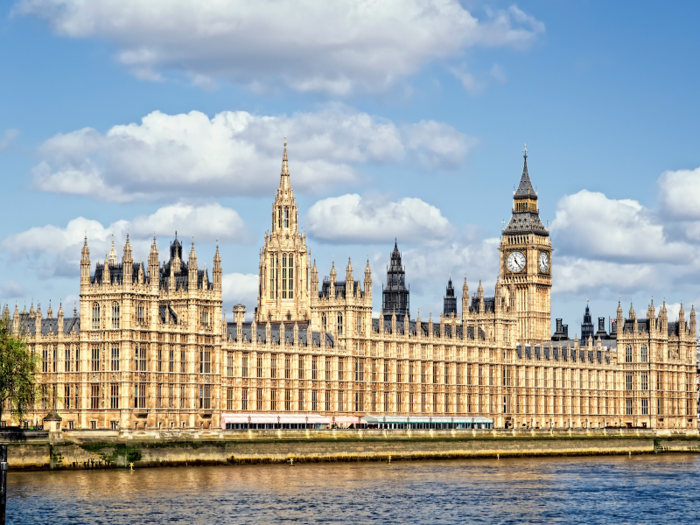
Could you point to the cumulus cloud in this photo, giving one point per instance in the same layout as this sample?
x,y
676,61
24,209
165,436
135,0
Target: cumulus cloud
x,y
55,251
237,153
575,274
354,219
335,47
240,288
679,194
591,225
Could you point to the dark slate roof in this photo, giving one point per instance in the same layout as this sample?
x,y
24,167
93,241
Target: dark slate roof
x,y
339,289
425,329
642,326
489,304
27,325
566,350
673,328
525,189
275,333
526,222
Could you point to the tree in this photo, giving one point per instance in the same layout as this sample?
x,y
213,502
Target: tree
x,y
18,368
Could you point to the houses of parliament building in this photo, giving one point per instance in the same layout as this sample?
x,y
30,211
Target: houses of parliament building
x,y
150,347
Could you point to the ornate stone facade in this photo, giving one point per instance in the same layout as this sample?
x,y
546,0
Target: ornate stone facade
x,y
150,347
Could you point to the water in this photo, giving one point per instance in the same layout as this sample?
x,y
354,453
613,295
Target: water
x,y
640,489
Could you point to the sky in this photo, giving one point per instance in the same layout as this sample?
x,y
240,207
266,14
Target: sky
x,y
405,119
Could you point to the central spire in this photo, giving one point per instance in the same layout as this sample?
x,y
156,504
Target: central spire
x,y
284,176
525,188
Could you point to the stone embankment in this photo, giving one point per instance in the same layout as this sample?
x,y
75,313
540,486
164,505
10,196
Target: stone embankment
x,y
104,449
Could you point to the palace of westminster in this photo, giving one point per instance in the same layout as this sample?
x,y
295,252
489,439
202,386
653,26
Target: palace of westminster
x,y
150,347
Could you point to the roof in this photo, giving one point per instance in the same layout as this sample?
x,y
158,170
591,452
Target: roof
x,y
425,328
525,189
27,325
275,333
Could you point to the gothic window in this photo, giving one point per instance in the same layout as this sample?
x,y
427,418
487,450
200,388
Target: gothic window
x,y
95,316
628,381
77,360
95,358
67,397
244,365
628,354
259,399
645,382
114,395
229,365
67,360
286,217
115,315
115,359
324,321
140,314
358,321
301,367
94,397
205,362
644,354
205,317
229,399
274,265
260,367
279,217
340,324
205,397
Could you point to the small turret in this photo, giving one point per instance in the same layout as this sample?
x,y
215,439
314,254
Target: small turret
x,y
127,263
216,270
49,312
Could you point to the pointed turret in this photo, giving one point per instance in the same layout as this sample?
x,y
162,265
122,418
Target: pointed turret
x,y
395,296
216,271
525,218
349,280
284,175
153,265
334,274
631,312
692,321
49,312
85,265
60,314
127,263
112,254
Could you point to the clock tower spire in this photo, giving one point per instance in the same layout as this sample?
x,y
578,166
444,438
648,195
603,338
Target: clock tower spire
x,y
526,255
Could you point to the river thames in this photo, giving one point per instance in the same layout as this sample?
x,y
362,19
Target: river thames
x,y
640,489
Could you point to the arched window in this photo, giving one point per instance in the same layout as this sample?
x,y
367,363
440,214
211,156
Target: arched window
x,y
95,316
140,314
286,217
628,354
115,315
279,217
205,318
340,324
644,354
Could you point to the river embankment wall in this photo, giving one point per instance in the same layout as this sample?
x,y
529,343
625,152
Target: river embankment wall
x,y
105,449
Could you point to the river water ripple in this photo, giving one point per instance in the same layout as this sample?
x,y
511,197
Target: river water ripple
x,y
640,489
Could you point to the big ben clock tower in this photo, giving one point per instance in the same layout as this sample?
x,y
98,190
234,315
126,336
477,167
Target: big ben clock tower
x,y
526,263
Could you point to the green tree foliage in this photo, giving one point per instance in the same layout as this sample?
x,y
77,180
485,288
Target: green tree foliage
x,y
18,368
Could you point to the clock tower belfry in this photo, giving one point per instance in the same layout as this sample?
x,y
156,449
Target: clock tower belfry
x,y
526,263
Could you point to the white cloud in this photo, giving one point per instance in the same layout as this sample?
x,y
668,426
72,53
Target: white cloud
x,y
55,251
237,153
240,288
336,47
593,226
679,194
11,290
354,219
577,275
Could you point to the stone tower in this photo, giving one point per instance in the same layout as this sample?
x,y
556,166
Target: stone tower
x,y
526,262
450,301
284,262
395,296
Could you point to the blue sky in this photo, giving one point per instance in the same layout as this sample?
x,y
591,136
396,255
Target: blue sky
x,y
414,112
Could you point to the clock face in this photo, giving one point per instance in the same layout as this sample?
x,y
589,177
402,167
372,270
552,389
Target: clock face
x,y
515,262
543,262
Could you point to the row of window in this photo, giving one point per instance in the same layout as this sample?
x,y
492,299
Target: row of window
x,y
205,316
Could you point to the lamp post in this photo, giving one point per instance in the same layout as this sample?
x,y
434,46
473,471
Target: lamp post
x,y
3,482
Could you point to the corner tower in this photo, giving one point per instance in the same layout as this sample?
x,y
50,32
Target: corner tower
x,y
395,296
526,262
283,291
